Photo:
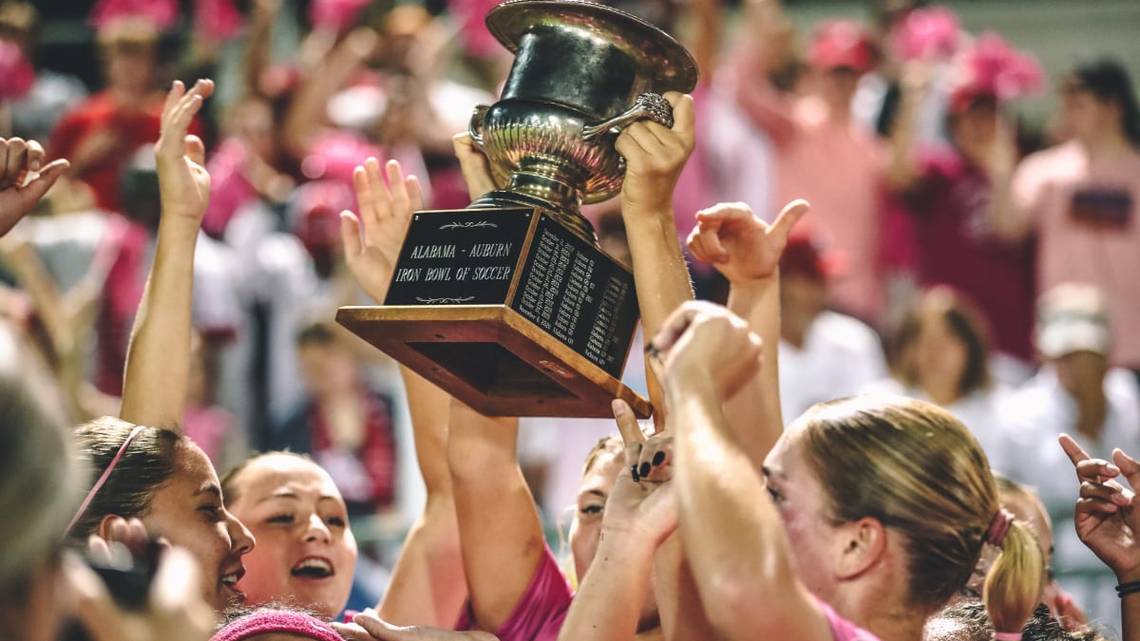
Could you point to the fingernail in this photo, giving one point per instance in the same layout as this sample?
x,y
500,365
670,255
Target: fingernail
x,y
1120,499
659,458
1111,469
644,470
633,471
617,407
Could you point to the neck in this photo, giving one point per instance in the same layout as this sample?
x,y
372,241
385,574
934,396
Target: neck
x,y
883,615
794,327
655,634
839,113
1092,410
1106,146
941,392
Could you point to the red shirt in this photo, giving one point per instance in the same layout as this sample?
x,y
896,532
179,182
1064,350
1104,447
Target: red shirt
x,y
135,127
945,219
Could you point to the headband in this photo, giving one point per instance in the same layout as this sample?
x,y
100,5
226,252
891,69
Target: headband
x,y
103,478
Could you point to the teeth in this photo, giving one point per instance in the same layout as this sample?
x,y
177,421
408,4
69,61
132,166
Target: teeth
x,y
230,579
314,564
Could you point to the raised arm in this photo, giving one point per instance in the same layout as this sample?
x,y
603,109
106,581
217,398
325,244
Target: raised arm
x,y
427,586
732,534
902,171
640,514
158,359
746,250
654,157
24,179
1108,522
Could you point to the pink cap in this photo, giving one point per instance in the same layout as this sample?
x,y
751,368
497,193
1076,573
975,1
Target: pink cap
x,y
842,43
284,621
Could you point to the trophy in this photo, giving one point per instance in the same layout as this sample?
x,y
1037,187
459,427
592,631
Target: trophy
x,y
509,304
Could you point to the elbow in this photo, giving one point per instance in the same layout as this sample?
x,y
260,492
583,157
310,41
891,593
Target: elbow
x,y
731,602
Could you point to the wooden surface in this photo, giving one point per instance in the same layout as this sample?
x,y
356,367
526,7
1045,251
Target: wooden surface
x,y
493,359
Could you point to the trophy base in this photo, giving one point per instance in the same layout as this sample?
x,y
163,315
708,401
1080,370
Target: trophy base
x,y
510,310
492,359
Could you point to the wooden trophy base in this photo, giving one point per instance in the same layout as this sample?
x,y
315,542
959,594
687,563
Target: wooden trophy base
x,y
510,312
493,359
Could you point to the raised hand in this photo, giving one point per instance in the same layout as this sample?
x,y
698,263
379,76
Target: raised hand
x,y
23,179
642,502
366,626
703,343
476,170
740,245
1107,519
174,613
372,240
654,157
184,183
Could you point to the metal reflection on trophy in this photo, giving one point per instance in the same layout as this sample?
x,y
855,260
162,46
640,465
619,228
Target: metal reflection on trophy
x,y
509,304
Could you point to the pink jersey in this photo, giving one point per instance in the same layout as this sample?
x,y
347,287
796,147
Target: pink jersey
x,y
539,614
842,629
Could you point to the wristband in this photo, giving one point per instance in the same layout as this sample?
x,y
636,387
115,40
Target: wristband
x,y
1125,589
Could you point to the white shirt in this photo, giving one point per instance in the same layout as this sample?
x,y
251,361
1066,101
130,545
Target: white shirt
x,y
840,356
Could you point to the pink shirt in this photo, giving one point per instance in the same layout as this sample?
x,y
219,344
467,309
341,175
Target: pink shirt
x,y
539,614
837,168
842,629
1087,218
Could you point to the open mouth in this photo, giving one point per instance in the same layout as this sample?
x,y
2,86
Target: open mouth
x,y
313,567
230,580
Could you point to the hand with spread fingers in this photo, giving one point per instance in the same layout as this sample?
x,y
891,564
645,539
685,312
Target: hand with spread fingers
x,y
740,245
373,238
24,179
642,502
366,626
173,613
703,343
1107,519
476,170
654,157
184,183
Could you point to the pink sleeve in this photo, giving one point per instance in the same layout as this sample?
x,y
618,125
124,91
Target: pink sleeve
x,y
539,614
842,629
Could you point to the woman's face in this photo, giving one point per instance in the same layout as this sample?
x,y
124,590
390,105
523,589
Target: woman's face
x,y
939,355
800,500
306,553
586,529
187,510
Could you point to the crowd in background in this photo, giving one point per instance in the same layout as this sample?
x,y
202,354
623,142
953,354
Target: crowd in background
x,y
952,255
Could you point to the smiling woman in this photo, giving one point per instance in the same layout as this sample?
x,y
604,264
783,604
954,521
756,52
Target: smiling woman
x,y
306,554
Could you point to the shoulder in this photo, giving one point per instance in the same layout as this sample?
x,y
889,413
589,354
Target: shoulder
x,y
847,331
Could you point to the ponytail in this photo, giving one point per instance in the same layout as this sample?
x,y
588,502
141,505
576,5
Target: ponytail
x,y
1013,583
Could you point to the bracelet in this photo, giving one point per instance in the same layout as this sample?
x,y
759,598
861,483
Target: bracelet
x,y
1125,589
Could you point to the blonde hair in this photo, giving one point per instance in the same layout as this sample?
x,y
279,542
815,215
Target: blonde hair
x,y
918,470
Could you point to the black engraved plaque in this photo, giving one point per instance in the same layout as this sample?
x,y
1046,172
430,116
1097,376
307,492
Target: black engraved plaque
x,y
459,257
579,295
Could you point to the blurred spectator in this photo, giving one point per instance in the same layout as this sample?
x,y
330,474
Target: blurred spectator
x,y
37,98
346,427
1082,198
941,355
823,354
1076,392
817,134
100,135
943,216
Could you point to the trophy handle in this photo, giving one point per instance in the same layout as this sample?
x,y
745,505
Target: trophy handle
x,y
648,106
475,125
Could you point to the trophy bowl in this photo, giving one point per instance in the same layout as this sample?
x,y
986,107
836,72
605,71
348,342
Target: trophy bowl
x,y
582,72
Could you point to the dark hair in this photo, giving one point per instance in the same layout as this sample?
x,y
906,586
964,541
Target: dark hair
x,y
964,322
967,620
146,464
1108,80
319,333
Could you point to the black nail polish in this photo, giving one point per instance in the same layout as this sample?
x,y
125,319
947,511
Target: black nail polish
x,y
633,470
644,471
659,458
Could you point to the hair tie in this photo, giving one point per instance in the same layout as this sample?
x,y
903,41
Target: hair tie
x,y
103,478
999,526
1007,636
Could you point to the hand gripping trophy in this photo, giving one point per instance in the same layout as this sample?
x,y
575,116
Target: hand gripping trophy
x,y
509,304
